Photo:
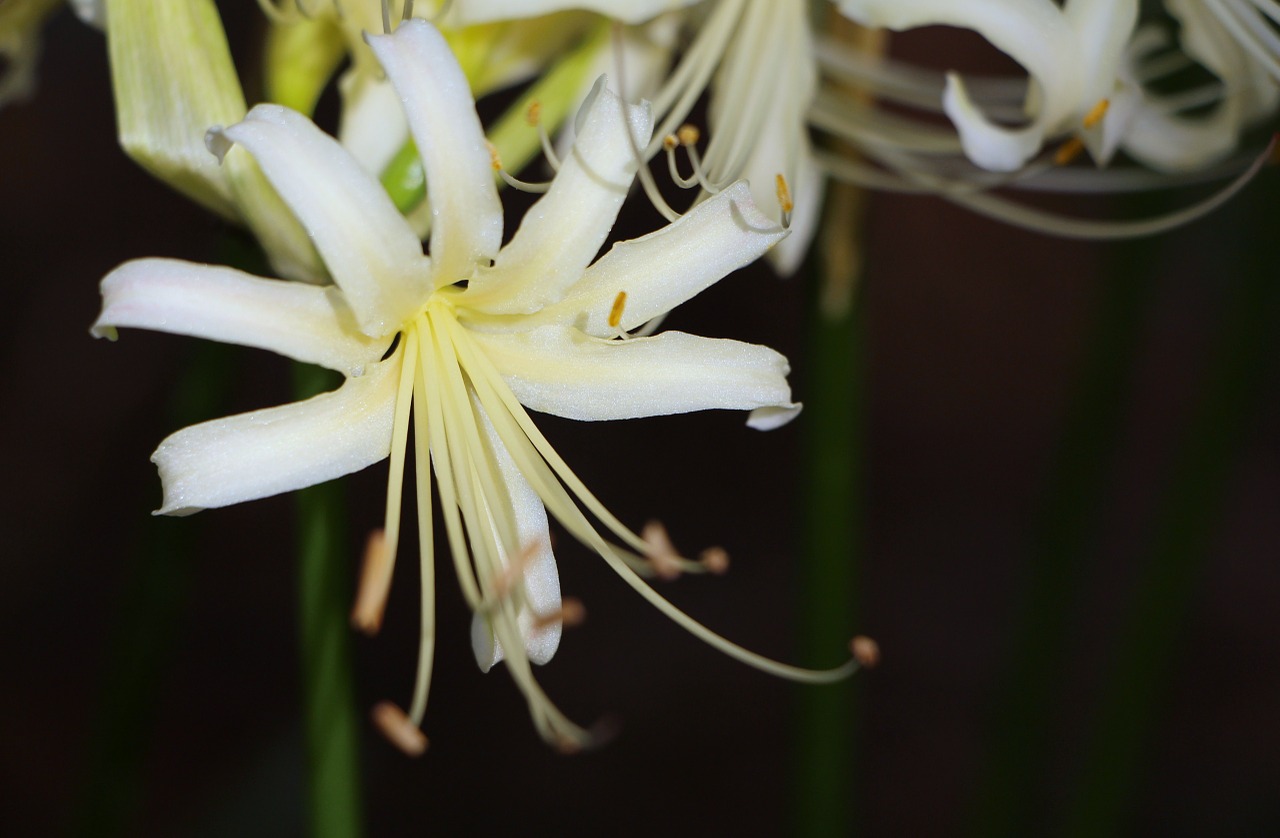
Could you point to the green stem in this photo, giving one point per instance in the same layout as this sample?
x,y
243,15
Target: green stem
x,y
331,721
833,545
1187,519
1064,536
144,639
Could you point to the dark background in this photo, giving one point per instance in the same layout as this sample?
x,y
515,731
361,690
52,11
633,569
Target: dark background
x,y
976,337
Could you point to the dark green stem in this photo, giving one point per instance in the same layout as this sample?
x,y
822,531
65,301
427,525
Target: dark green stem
x,y
1064,536
1242,359
147,630
832,500
331,721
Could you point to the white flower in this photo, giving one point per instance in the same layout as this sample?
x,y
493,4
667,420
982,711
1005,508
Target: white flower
x,y
1251,24
757,58
1163,134
1071,52
468,338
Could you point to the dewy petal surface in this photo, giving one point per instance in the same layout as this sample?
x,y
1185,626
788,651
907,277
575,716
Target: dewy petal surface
x,y
303,322
565,229
266,452
670,265
370,250
466,227
561,371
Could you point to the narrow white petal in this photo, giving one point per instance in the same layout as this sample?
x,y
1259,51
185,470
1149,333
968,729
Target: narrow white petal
x,y
368,247
559,370
663,269
990,146
266,452
1035,33
541,577
304,322
565,229
466,227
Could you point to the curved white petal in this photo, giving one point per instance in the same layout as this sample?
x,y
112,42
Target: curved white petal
x,y
561,371
663,269
628,11
368,247
466,227
266,452
541,577
304,322
1164,138
1035,33
990,146
565,229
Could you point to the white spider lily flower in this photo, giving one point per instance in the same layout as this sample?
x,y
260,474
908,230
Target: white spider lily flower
x,y
757,58
1072,53
456,345
1162,134
313,37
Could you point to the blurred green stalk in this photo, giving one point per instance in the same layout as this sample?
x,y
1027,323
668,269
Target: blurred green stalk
x,y
824,799
1242,360
1064,536
331,722
147,629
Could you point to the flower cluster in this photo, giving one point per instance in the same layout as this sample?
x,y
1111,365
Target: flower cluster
x,y
456,342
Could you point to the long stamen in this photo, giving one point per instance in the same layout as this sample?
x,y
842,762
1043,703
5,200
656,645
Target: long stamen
x,y
380,551
642,169
426,553
495,160
534,117
486,378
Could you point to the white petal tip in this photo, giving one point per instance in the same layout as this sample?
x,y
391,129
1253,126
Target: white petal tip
x,y
217,141
486,647
177,511
774,416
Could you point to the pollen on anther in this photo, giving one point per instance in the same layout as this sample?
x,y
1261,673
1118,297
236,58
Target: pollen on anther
x,y
375,584
400,731
715,560
1096,113
662,553
615,313
495,159
688,134
570,613
784,194
533,116
865,651
1068,151
670,142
